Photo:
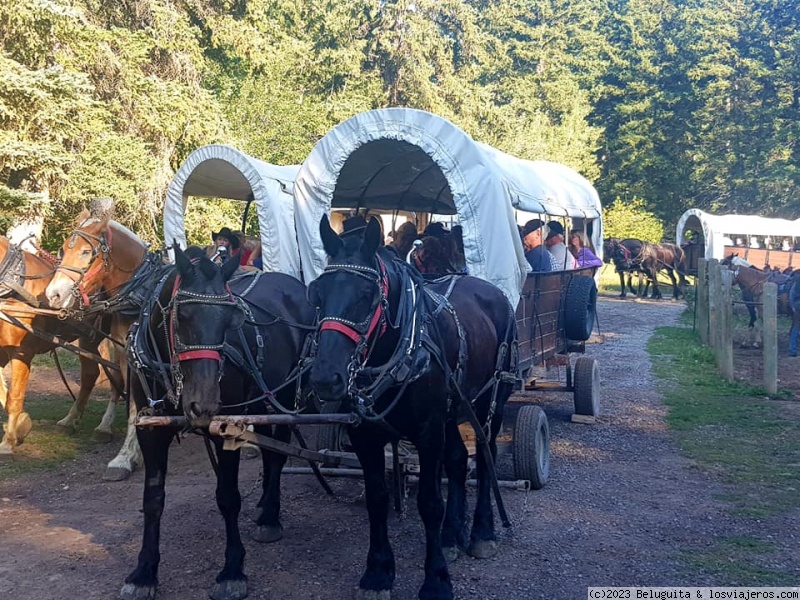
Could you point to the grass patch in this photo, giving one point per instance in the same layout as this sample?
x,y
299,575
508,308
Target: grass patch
x,y
738,558
46,448
733,432
729,429
68,360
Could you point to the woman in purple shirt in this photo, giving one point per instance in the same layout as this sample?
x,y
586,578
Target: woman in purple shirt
x,y
579,246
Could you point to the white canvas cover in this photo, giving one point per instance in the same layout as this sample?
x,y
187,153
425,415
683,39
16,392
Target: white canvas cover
x,y
401,158
219,171
716,228
550,189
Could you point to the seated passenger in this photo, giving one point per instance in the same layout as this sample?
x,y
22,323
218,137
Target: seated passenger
x,y
404,239
579,247
555,245
536,254
224,238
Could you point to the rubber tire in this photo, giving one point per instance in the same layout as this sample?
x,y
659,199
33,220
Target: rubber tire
x,y
580,306
332,437
586,378
531,446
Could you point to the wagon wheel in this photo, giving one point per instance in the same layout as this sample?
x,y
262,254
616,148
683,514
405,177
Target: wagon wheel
x,y
580,305
333,437
587,387
531,446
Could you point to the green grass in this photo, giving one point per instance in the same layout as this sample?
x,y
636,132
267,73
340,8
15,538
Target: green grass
x,y
737,434
46,447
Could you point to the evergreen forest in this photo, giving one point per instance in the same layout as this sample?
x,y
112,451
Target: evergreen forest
x,y
673,103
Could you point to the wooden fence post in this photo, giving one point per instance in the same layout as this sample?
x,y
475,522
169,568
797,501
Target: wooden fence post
x,y
713,302
769,335
725,352
701,300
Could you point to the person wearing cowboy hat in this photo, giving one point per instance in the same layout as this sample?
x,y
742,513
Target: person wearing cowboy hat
x,y
555,245
224,238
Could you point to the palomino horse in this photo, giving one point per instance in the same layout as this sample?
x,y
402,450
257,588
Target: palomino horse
x,y
24,277
103,257
260,323
411,359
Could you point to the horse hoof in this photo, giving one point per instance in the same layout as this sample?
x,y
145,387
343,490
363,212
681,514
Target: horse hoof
x,y
229,590
116,474
450,554
6,452
372,594
133,592
268,534
250,451
24,426
65,429
102,437
482,549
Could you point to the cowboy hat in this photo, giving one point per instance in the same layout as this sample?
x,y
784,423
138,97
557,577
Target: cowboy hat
x,y
227,234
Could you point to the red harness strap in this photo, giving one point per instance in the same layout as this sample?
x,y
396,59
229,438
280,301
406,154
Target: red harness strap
x,y
190,354
349,331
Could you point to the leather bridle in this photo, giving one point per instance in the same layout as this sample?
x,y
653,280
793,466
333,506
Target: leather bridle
x,y
101,247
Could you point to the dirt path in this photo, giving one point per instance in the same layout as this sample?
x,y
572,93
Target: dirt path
x,y
620,505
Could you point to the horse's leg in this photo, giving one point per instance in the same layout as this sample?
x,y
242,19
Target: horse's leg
x,y
19,422
378,578
231,583
653,275
3,387
622,282
269,505
633,290
430,443
141,584
454,535
483,541
104,430
675,291
129,456
89,373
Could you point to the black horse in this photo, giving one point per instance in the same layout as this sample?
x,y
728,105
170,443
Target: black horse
x,y
625,254
259,325
411,359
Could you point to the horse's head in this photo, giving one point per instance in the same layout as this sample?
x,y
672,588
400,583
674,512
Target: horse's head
x,y
203,310
83,261
98,253
351,296
609,245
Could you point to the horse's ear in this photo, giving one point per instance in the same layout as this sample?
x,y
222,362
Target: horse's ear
x,y
182,262
229,267
85,214
372,238
207,267
330,241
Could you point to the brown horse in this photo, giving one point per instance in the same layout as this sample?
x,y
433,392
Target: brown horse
x,y
751,281
101,255
24,277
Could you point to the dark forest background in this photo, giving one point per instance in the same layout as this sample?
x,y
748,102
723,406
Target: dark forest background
x,y
674,104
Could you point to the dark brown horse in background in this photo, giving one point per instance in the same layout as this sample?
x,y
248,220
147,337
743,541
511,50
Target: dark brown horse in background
x,y
25,277
634,257
664,257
